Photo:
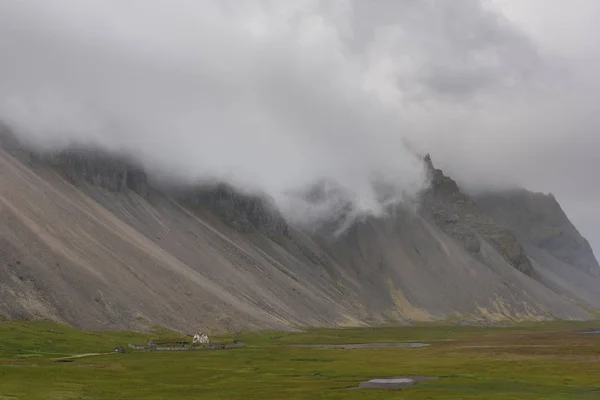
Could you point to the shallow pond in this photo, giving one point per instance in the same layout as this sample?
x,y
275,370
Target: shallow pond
x,y
393,383
364,345
592,332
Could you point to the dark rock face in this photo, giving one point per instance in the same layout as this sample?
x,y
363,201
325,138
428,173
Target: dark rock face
x,y
539,220
112,173
458,215
244,212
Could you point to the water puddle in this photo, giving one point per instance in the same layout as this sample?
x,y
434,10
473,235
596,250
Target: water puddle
x,y
592,332
393,383
363,345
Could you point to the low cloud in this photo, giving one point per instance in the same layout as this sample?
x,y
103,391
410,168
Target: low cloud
x,y
275,96
265,97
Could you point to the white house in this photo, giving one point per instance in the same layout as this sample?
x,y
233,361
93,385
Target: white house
x,y
201,338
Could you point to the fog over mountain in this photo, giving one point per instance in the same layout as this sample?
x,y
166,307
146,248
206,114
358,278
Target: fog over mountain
x,y
275,96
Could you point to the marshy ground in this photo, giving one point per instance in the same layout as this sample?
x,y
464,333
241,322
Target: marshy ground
x,y
525,361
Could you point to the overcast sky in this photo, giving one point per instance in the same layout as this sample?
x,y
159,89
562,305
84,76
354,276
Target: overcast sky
x,y
275,95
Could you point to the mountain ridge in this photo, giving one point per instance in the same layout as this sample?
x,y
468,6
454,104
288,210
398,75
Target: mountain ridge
x,y
100,245
539,218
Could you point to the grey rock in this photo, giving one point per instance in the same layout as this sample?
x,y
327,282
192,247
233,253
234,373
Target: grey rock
x,y
458,215
244,212
539,220
113,173
101,246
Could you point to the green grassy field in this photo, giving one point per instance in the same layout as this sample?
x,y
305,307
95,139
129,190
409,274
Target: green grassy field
x,y
531,361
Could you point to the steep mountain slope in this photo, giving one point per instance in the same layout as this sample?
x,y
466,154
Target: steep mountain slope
x,y
459,216
538,219
562,258
89,239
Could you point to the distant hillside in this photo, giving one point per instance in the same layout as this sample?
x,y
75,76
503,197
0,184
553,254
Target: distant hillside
x,y
563,259
538,219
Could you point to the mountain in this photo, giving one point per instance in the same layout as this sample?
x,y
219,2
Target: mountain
x,y
460,216
562,259
92,240
538,220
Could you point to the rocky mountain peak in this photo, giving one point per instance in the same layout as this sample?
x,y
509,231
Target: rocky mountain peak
x,y
458,215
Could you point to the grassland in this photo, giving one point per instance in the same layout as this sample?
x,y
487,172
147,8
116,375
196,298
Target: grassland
x,y
532,361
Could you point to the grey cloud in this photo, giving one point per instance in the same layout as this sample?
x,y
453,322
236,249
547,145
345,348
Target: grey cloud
x,y
454,49
277,95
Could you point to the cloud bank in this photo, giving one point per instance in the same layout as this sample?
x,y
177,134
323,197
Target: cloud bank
x,y
275,96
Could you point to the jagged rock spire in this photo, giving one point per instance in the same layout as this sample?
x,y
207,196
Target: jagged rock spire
x,y
428,161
